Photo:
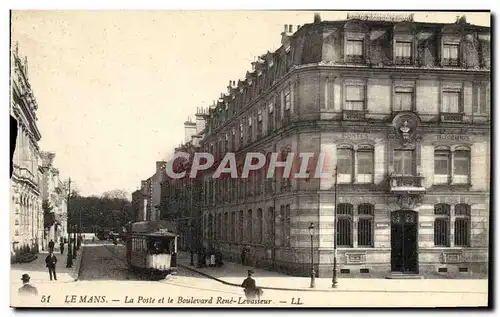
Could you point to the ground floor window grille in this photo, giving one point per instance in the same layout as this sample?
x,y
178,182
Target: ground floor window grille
x,y
442,225
462,225
344,225
365,225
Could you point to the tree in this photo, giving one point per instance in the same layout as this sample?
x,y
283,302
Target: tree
x,y
116,194
48,214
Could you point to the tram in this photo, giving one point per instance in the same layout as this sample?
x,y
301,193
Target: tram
x,y
152,248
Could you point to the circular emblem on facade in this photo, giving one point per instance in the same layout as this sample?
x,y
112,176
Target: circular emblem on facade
x,y
405,125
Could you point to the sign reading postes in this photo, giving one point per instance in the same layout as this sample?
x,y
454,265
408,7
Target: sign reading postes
x,y
453,137
355,135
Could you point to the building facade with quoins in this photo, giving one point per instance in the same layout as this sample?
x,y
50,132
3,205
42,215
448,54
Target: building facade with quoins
x,y
401,108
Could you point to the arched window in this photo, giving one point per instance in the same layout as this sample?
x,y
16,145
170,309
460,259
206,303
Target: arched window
x,y
461,165
365,164
287,225
250,226
442,225
365,225
462,225
282,224
220,230
233,226
226,226
344,225
240,223
345,166
260,224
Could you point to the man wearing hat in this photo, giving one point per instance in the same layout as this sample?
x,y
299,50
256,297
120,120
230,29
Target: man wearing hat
x,y
27,289
51,262
251,290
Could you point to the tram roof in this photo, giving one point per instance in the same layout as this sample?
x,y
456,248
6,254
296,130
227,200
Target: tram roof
x,y
161,234
153,227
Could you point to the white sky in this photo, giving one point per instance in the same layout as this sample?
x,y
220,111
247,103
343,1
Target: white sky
x,y
114,88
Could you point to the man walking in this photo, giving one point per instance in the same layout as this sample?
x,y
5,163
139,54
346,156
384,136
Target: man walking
x,y
27,289
61,246
250,288
51,262
51,245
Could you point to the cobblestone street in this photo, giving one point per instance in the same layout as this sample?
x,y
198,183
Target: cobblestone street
x,y
105,276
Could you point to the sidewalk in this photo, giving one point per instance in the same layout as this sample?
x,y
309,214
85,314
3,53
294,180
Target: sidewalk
x,y
234,274
39,272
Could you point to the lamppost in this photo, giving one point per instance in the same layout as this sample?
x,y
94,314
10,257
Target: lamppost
x,y
313,273
69,259
334,277
74,242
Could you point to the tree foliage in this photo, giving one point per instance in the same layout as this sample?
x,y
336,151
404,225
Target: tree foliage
x,y
48,214
108,212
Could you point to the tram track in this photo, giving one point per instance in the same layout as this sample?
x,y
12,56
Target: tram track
x,y
171,279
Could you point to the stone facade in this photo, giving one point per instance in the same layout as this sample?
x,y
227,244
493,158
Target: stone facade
x,y
400,99
26,215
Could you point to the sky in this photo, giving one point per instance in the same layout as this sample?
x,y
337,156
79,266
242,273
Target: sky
x,y
115,87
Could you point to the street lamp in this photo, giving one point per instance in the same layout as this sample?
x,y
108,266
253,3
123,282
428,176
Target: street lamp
x,y
311,231
74,242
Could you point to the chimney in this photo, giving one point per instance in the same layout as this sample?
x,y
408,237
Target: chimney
x,y
200,120
317,18
189,130
287,32
160,166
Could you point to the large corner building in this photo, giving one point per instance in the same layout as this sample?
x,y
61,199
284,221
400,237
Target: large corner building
x,y
401,108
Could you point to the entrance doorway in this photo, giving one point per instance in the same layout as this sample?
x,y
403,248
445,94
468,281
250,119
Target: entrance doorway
x,y
404,241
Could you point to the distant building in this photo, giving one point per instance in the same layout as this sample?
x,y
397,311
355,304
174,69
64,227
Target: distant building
x,y
181,198
54,196
138,209
26,215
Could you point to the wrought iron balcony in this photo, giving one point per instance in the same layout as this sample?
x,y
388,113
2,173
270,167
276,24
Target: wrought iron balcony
x,y
355,59
406,183
399,60
453,62
452,117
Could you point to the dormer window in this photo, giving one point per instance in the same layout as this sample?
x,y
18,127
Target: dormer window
x,y
354,51
450,54
403,53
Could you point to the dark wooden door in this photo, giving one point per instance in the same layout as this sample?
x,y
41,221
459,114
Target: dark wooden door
x,y
404,241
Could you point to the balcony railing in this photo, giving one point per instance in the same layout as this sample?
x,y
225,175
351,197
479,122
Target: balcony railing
x,y
452,117
406,183
403,60
357,59
354,115
450,62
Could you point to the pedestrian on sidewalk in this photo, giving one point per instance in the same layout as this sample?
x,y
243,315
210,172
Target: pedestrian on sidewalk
x,y
27,289
61,246
51,262
250,288
51,245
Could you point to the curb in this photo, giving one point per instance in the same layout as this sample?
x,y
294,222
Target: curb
x,y
76,273
327,290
